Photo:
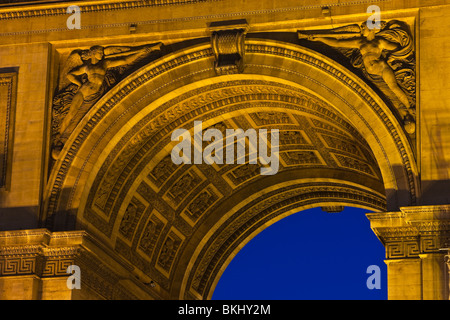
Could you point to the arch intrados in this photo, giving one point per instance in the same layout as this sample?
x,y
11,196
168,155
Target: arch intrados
x,y
253,234
373,128
237,210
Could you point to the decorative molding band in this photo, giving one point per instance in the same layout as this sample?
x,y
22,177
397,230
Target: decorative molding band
x,y
15,13
36,11
8,91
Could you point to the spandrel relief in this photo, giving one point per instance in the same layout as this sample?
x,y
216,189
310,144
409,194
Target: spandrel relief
x,y
85,77
385,56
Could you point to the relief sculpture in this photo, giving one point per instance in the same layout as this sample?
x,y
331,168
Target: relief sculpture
x,y
85,77
384,55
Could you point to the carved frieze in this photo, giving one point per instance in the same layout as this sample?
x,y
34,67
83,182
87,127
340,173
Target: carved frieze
x,y
301,158
168,251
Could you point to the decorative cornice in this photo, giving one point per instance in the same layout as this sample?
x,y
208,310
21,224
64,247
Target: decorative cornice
x,y
40,10
13,251
61,9
437,212
413,231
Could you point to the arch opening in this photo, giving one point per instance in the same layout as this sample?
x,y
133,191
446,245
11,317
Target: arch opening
x,y
311,254
179,224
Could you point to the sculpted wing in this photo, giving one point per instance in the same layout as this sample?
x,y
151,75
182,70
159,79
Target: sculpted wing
x,y
73,61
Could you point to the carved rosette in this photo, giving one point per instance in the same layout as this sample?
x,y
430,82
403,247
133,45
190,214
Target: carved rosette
x,y
85,76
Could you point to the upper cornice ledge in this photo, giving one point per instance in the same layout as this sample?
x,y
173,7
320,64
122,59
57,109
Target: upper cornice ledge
x,y
26,9
48,8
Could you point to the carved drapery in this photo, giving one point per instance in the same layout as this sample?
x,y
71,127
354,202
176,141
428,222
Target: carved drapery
x,y
84,78
386,56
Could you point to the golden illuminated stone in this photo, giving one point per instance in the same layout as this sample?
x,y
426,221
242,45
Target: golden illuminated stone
x,y
87,178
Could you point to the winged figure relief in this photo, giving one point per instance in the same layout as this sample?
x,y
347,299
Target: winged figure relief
x,y
85,77
385,55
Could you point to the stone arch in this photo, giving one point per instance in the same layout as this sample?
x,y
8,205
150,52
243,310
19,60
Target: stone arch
x,y
348,149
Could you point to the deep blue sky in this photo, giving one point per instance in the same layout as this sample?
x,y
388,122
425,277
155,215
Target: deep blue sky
x,y
308,255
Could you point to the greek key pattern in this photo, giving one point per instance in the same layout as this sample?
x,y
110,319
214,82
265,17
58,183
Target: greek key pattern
x,y
56,267
402,249
17,266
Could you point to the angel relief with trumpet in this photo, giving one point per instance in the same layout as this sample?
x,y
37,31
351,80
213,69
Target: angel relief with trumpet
x,y
86,76
385,56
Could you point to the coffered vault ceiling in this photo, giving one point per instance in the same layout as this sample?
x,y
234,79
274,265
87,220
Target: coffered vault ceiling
x,y
180,225
154,210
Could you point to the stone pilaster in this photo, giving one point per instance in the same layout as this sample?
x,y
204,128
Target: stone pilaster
x,y
447,261
414,239
33,266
